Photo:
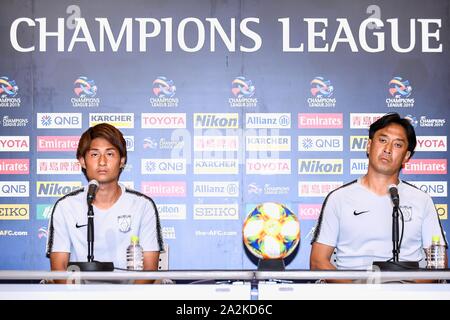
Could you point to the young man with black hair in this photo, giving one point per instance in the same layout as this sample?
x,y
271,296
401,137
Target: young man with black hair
x,y
356,219
119,212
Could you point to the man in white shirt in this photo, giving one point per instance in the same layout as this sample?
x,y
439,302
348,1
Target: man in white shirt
x,y
119,212
356,219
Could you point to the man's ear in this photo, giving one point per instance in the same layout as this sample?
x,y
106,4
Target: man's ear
x,y
122,162
369,144
82,162
407,156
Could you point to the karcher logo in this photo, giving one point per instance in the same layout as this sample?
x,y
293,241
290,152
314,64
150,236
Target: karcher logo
x,y
320,166
14,212
56,189
216,120
358,143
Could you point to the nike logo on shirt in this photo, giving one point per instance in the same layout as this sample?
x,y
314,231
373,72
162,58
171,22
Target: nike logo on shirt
x,y
80,226
358,213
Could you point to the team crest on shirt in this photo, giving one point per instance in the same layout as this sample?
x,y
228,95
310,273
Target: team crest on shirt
x,y
124,223
407,213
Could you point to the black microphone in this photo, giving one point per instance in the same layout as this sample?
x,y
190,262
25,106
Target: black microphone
x,y
393,191
92,189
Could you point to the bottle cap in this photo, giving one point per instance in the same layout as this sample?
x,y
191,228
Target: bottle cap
x,y
134,239
436,239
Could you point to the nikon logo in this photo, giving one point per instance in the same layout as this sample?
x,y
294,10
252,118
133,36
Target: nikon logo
x,y
358,143
14,212
216,120
56,189
320,166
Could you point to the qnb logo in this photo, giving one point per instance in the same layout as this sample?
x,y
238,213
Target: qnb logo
x,y
8,88
85,88
163,87
399,88
242,88
321,88
59,120
320,143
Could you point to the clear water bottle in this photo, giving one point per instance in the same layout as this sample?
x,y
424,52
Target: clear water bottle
x,y
135,255
436,254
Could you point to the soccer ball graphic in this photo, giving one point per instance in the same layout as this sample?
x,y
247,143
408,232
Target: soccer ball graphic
x,y
271,231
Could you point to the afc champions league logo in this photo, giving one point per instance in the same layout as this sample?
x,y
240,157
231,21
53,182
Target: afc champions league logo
x,y
8,88
85,90
8,93
243,91
400,90
322,91
164,90
124,223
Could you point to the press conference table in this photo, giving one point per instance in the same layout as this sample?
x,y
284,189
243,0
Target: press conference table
x,y
224,285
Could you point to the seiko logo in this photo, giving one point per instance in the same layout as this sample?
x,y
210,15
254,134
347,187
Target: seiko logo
x,y
14,212
216,212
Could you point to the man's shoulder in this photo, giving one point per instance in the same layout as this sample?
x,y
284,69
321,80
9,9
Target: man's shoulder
x,y
343,190
413,191
138,196
71,197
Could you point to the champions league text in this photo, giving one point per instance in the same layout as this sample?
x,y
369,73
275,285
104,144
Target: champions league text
x,y
193,35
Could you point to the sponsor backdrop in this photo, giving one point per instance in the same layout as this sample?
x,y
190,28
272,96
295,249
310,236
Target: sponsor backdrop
x,y
224,105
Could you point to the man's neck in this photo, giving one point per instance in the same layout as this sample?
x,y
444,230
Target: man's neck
x,y
107,195
378,183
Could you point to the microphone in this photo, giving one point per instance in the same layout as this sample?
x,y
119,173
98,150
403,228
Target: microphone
x,y
393,191
92,189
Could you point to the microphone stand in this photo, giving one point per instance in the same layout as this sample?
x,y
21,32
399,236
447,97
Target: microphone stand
x,y
395,264
91,265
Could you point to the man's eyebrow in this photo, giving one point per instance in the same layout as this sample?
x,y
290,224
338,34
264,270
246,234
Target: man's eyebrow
x,y
385,135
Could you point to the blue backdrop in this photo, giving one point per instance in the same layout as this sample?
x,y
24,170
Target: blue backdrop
x,y
225,104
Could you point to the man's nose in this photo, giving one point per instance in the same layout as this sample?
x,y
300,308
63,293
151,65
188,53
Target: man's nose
x,y
102,160
388,148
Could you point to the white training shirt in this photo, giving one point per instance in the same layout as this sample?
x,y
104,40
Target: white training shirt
x,y
132,214
358,223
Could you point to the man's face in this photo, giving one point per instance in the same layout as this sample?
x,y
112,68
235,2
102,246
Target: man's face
x,y
388,150
102,161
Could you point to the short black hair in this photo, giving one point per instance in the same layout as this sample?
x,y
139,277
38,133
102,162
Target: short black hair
x,y
391,118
